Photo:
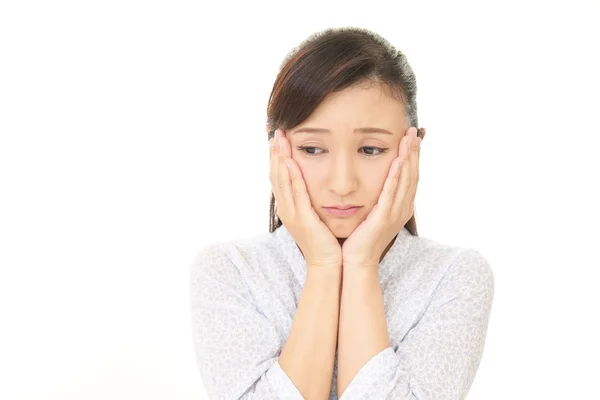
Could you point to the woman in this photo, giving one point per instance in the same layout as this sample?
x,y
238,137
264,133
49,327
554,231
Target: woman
x,y
341,298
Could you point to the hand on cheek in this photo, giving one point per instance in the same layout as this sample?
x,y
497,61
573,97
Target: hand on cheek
x,y
364,247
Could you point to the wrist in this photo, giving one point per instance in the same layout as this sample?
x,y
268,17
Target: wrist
x,y
361,270
325,272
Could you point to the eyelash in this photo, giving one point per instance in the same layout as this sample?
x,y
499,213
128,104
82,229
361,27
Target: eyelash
x,y
381,151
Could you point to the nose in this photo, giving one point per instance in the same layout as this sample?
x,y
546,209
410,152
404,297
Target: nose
x,y
343,179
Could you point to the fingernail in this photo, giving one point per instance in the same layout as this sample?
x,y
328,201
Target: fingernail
x,y
418,142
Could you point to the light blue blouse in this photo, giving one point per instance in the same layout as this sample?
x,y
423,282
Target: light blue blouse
x,y
245,292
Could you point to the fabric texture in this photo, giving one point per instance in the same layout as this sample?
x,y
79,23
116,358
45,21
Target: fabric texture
x,y
245,292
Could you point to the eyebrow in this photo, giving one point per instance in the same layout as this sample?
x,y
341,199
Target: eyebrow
x,y
367,129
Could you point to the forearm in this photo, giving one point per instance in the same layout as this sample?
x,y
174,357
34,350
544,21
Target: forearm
x,y
362,327
309,353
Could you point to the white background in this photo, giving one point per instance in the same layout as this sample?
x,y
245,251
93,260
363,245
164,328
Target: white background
x,y
133,134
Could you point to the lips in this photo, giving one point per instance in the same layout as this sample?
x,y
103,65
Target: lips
x,y
343,207
339,212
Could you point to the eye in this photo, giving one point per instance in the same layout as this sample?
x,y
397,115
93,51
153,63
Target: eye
x,y
369,154
380,150
305,148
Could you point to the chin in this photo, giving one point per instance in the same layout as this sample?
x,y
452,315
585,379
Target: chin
x,y
342,228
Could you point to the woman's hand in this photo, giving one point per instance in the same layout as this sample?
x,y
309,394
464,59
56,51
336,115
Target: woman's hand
x,y
365,246
317,243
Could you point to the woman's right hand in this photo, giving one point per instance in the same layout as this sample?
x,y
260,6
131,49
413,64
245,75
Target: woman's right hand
x,y
317,243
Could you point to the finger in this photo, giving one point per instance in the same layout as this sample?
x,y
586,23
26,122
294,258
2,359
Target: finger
x,y
390,186
407,181
283,178
415,169
387,197
413,165
286,148
405,142
273,167
274,177
300,193
302,202
416,158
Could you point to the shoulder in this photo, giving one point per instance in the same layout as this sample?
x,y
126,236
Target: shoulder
x,y
463,269
470,277
223,255
471,263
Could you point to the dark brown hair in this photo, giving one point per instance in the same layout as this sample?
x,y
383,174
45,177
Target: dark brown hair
x,y
329,61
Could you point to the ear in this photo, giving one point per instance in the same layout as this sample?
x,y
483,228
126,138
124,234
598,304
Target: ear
x,y
421,133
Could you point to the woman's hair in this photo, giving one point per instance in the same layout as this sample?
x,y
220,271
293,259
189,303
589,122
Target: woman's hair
x,y
332,60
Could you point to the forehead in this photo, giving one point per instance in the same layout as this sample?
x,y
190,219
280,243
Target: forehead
x,y
357,107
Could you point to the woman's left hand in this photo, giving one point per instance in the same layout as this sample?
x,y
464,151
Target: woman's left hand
x,y
365,246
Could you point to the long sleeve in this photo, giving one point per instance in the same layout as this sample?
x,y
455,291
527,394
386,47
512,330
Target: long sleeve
x,y
236,347
440,355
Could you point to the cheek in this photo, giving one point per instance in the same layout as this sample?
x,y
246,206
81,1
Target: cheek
x,y
373,178
310,174
375,173
372,175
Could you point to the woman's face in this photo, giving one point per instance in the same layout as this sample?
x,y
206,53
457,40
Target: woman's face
x,y
343,167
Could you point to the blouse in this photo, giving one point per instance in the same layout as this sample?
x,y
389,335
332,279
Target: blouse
x,y
245,292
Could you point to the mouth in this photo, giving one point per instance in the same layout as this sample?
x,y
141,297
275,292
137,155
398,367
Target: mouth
x,y
342,212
